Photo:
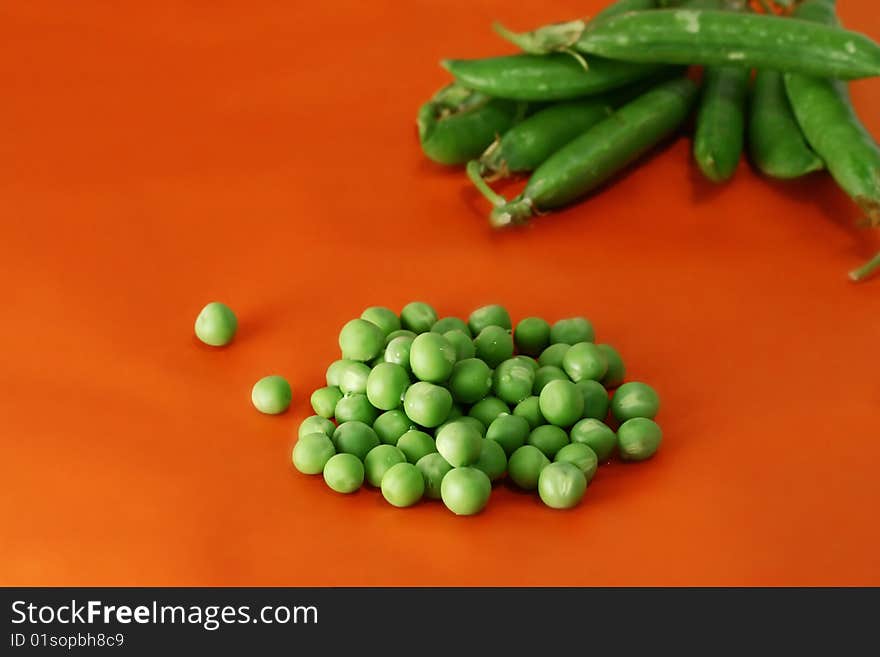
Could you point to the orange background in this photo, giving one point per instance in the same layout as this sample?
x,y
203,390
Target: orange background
x,y
156,156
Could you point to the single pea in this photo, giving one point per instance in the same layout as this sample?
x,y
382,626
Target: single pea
x,y
356,407
415,444
361,340
344,473
324,400
391,425
446,324
561,403
379,460
509,431
553,355
634,400
216,324
544,375
386,385
596,435
528,361
461,342
525,465
418,317
530,410
532,336
492,315
355,437
386,319
454,412
316,424
492,461
271,395
616,372
585,361
432,357
582,456
427,404
561,485
465,491
487,409
335,370
494,345
548,438
638,439
397,351
433,468
571,331
459,443
478,426
596,401
403,485
512,381
402,333
470,381
353,377
311,453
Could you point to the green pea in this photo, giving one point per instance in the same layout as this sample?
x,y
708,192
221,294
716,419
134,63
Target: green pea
x,y
544,375
271,395
509,431
397,351
487,409
356,407
478,426
616,372
379,460
492,315
548,438
459,443
492,461
335,370
634,400
403,485
324,400
353,377
532,336
585,361
554,355
462,343
386,319
418,317
528,361
433,468
311,453
446,324
391,425
530,410
344,473
378,359
638,439
427,404
471,380
571,331
525,465
580,455
494,345
596,400
432,357
355,437
415,444
361,340
316,424
465,491
561,485
454,413
386,385
512,381
596,435
216,324
402,333
561,403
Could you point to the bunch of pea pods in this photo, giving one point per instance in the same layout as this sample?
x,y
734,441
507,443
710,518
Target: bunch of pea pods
x,y
585,99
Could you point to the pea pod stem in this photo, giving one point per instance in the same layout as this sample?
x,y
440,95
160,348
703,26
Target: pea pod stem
x,y
474,171
863,272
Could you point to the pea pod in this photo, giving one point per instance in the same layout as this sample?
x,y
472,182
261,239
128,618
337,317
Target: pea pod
x,y
596,155
457,124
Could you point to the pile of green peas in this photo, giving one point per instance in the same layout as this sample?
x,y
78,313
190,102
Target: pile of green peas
x,y
420,406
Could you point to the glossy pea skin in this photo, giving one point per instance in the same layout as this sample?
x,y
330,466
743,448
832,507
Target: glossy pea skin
x,y
561,403
355,438
462,343
356,407
418,317
445,324
525,465
427,404
379,460
596,435
561,485
581,456
528,361
311,453
487,409
398,350
571,331
491,315
720,125
585,361
532,336
385,386
271,395
509,431
432,357
324,400
415,444
403,485
494,345
596,401
616,372
335,370
465,491
477,425
545,374
216,324
402,333
530,410
638,439
459,443
344,473
385,318
492,461
548,438
316,424
634,399
353,377
470,381
554,355
361,340
433,468
512,381
391,425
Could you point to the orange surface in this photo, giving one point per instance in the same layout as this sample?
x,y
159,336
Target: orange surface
x,y
156,156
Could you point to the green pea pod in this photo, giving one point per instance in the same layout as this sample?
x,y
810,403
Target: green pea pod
x,y
599,153
776,144
457,124
719,135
